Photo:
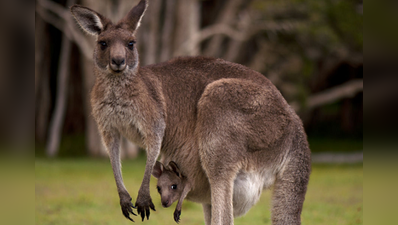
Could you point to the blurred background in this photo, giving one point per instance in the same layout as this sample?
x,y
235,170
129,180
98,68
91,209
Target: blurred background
x,y
312,50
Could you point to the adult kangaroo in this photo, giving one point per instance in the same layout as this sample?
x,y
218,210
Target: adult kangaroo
x,y
233,119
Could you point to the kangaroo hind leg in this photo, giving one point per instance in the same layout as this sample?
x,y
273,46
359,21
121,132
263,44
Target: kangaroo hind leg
x,y
291,184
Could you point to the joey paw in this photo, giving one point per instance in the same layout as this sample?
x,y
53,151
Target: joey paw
x,y
177,214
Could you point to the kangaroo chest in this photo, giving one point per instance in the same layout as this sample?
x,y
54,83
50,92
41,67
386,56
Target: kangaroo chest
x,y
117,112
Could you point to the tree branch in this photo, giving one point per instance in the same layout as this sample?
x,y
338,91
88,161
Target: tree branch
x,y
286,26
208,32
225,16
346,90
233,50
64,24
238,35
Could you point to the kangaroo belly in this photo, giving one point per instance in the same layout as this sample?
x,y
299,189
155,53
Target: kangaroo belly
x,y
248,188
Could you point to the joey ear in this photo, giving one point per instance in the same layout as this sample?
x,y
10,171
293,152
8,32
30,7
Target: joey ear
x,y
91,21
157,169
133,19
175,168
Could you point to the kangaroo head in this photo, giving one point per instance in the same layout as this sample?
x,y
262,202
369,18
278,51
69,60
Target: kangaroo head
x,y
170,182
115,51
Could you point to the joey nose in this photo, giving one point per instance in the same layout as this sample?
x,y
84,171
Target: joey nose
x,y
165,203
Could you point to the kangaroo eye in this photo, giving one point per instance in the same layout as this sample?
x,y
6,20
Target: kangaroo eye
x,y
131,44
103,44
174,186
158,189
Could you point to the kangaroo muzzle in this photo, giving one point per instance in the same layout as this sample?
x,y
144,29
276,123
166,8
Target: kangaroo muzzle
x,y
118,64
166,203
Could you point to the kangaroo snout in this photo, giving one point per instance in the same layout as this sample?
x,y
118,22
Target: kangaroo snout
x,y
166,203
118,64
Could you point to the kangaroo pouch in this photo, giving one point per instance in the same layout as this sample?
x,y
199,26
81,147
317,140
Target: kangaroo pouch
x,y
248,188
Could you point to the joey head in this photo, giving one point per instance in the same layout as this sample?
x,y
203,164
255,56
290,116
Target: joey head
x,y
172,186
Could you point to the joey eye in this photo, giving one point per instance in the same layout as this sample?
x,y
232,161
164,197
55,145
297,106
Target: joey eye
x,y
174,186
158,189
103,44
131,45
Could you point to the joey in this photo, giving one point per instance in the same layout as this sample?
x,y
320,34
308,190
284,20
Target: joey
x,y
171,186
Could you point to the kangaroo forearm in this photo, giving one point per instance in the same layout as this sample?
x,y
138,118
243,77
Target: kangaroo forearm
x,y
153,143
144,189
112,142
152,154
184,194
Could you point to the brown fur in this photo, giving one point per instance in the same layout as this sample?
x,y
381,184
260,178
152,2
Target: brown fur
x,y
217,120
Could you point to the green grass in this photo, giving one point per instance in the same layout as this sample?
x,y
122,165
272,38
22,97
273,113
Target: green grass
x,y
17,180
82,191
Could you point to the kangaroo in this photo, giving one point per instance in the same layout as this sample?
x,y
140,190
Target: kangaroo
x,y
221,123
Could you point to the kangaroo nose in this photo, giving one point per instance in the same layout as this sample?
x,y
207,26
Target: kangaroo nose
x,y
117,61
118,64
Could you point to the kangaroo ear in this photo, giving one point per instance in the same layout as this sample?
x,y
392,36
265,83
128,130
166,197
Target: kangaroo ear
x,y
133,19
157,169
175,168
91,21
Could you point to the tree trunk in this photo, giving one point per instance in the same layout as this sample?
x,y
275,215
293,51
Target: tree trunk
x,y
168,31
152,30
42,89
57,120
226,15
188,18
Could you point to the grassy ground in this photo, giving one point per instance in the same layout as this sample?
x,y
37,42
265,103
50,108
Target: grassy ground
x,y
82,191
